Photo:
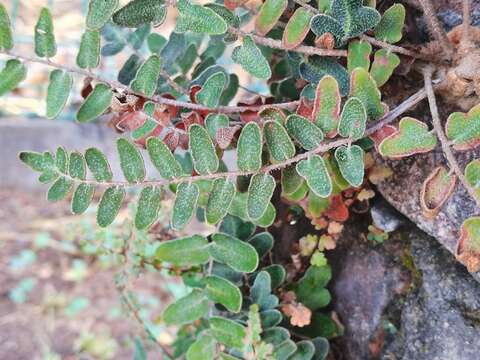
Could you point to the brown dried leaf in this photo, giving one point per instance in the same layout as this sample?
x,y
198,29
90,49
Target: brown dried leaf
x,y
299,314
436,189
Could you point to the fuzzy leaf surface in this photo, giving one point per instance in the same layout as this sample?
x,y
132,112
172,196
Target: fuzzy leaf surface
x,y
98,164
384,63
205,159
351,164
463,129
148,207
279,144
6,36
251,59
364,88
199,19
227,332
353,119
139,12
297,28
186,309
59,86
185,205
268,15
11,75
223,292
145,81
187,251
314,171
131,161
212,89
260,192
163,159
95,104
221,196
358,55
307,134
390,27
110,205
45,45
235,253
326,108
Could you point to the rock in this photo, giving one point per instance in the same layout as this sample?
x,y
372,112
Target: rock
x,y
441,319
384,216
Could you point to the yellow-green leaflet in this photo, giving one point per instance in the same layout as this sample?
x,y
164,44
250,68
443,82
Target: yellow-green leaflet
x,y
278,142
145,81
205,158
350,162
131,161
163,159
44,38
185,205
269,14
260,192
6,37
187,309
88,55
11,75
99,12
314,171
219,200
109,205
59,87
249,148
95,104
148,207
191,251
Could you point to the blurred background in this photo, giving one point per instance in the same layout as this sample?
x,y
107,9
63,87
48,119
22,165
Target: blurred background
x,y
67,290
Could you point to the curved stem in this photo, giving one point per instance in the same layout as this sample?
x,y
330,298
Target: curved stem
x,y
157,98
437,125
388,118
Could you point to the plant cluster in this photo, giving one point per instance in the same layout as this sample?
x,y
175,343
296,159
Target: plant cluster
x,y
311,135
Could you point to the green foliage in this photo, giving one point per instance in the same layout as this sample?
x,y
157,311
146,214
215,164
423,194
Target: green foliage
x,y
11,75
145,81
279,144
316,68
345,19
223,292
192,250
315,172
384,63
472,174
358,55
131,161
411,138
251,59
148,207
185,204
463,129
6,37
269,14
98,165
99,13
139,12
297,28
109,205
82,197
187,309
211,90
364,88
202,348
221,196
205,159
227,332
326,110
306,133
95,104
235,253
290,180
390,27
59,86
350,163
163,159
45,45
353,119
199,19
89,52
260,192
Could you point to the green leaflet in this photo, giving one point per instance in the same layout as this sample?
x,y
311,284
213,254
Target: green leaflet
x,y
297,28
82,197
273,114
278,142
76,166
213,122
38,161
212,89
260,192
284,350
249,148
145,81
384,63
390,27
61,160
290,180
251,59
139,12
148,207
186,309
358,55
267,218
468,244
224,292
219,201
262,242
199,19
163,159
59,86
11,75
205,158
463,129
98,165
95,104
6,37
353,119
185,205
235,253
227,332
59,189
326,107
230,18
364,87
231,90
472,174
317,67
99,12
411,138
305,351
314,171
307,134
268,15
155,43
44,38
191,251
203,348
88,56
110,205
351,164
131,161
311,290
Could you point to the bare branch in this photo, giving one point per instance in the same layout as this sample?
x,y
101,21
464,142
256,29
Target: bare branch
x,y
466,21
435,27
437,125
395,48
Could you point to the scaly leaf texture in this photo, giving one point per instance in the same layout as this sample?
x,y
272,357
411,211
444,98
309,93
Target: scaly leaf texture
x,y
314,171
353,119
199,19
88,56
472,175
463,129
187,251
291,181
99,13
326,108
351,164
45,45
297,28
6,36
390,27
187,309
110,205
306,133
364,88
95,104
358,55
269,14
185,204
249,148
227,332
148,207
219,200
131,161
163,159
139,12
279,144
59,86
98,164
260,192
251,59
205,159
209,94
384,63
235,253
145,81
224,292
11,75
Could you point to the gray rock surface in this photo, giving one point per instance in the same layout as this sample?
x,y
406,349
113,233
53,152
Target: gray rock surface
x,y
441,319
